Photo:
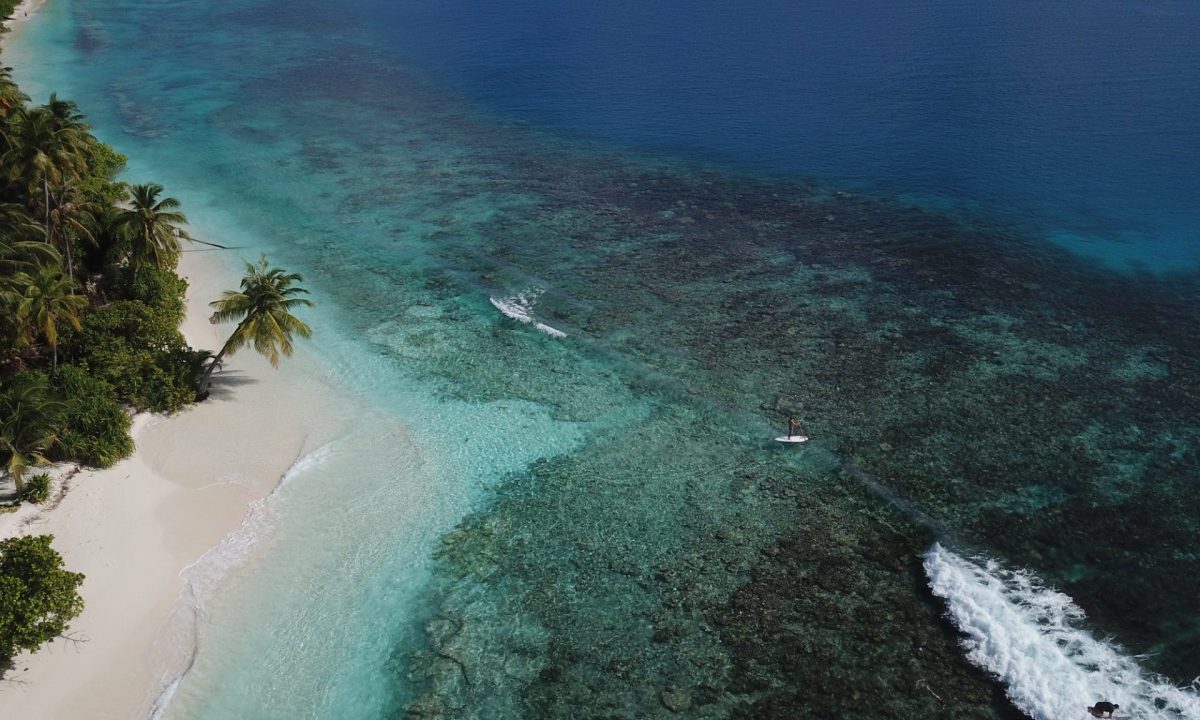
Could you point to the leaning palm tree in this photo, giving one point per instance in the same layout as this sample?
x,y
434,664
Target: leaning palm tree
x,y
263,311
29,422
43,301
152,225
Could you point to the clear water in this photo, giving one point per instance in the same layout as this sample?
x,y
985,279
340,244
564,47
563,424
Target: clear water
x,y
861,216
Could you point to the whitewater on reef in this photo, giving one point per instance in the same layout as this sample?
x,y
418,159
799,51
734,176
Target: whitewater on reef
x,y
519,307
1031,637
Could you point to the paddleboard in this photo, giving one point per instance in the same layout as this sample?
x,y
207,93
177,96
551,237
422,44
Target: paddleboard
x,y
792,439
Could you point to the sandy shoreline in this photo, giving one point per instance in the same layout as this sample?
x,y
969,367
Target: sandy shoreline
x,y
132,529
135,528
21,14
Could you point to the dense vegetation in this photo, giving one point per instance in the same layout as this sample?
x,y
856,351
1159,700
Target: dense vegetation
x,y
91,301
90,307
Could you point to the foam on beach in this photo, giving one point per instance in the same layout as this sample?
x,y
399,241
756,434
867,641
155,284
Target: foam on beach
x,y
1031,638
520,308
205,575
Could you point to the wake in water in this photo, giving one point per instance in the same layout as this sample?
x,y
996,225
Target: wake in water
x,y
1027,635
520,308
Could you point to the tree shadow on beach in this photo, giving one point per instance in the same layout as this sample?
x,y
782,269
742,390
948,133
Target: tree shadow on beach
x,y
225,383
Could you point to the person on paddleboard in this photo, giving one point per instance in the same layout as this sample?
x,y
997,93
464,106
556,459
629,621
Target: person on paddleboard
x,y
1103,709
792,427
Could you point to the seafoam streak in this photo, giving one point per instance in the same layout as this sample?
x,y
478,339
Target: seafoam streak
x,y
520,308
1028,636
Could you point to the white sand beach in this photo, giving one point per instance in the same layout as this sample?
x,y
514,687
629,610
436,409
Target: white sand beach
x,y
133,528
21,14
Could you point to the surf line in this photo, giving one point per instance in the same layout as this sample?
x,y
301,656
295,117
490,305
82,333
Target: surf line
x,y
1029,637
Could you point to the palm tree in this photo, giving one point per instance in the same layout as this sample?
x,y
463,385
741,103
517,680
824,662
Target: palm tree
x,y
152,225
67,116
44,150
22,243
74,213
11,96
29,420
263,311
43,301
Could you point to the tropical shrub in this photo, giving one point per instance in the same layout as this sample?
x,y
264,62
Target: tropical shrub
x,y
160,289
30,418
38,597
95,425
104,164
140,353
37,489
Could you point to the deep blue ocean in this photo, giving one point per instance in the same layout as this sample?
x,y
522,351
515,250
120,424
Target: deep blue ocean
x,y
1080,123
627,241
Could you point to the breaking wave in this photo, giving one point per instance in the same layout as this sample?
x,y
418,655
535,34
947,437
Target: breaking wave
x,y
520,308
1031,638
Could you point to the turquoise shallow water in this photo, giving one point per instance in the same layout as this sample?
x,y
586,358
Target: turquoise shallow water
x,y
585,510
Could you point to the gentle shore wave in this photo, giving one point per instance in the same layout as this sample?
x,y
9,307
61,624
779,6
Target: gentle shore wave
x,y
137,528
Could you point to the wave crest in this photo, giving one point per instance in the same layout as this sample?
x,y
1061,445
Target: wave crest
x,y
519,307
1029,637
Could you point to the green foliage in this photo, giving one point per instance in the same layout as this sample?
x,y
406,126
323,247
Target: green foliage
x,y
96,426
160,289
263,312
38,597
44,302
152,225
67,247
138,350
37,489
43,152
101,185
29,423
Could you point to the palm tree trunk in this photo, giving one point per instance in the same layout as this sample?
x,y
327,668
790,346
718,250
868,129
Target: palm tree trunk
x,y
54,363
65,240
206,378
70,263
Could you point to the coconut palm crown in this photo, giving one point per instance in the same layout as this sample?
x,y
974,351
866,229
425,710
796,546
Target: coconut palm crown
x,y
263,310
43,151
152,224
43,300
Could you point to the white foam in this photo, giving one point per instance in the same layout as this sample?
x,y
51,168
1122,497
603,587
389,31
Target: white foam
x,y
1029,636
520,308
202,577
